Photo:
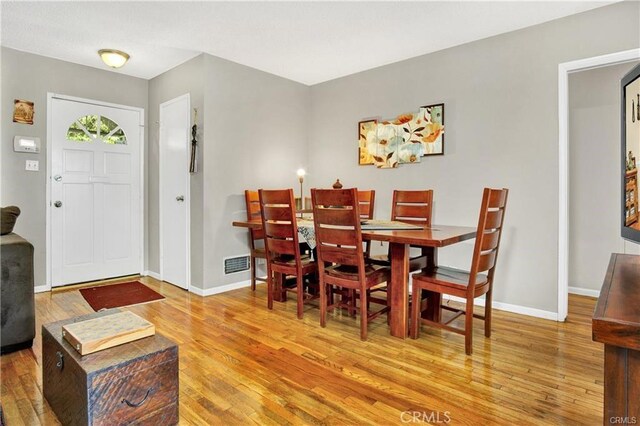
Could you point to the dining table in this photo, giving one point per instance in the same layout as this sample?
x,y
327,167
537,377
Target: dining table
x,y
429,239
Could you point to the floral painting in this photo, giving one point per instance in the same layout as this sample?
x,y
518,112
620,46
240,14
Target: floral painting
x,y
403,140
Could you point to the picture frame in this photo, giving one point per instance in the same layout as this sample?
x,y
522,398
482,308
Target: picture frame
x,y
22,111
364,158
434,115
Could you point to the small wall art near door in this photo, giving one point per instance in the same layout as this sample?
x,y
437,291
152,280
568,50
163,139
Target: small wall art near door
x,y
95,209
406,139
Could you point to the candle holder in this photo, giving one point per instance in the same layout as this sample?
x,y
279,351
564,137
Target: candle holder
x,y
301,173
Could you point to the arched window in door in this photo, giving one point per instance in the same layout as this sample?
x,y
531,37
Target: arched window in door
x,y
95,127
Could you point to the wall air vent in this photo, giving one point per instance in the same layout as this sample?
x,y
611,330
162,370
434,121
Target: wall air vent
x,y
236,264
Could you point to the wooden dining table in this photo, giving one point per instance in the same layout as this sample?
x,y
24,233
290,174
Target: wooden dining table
x,y
400,242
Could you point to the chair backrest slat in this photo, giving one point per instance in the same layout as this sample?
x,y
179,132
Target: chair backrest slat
x,y
338,236
494,219
490,240
412,207
279,247
487,261
278,229
340,255
338,207
490,222
335,216
277,212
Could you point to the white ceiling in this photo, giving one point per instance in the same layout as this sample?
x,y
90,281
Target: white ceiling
x,y
308,42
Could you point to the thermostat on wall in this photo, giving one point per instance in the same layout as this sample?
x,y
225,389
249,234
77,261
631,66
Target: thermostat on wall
x,y
29,144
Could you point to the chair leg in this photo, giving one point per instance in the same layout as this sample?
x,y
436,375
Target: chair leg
x,y
300,288
352,303
416,304
364,314
323,303
468,327
253,273
487,313
270,290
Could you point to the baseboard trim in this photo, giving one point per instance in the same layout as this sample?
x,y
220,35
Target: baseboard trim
x,y
41,288
584,292
152,274
221,289
516,309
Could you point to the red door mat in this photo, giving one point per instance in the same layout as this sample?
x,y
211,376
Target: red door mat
x,y
116,295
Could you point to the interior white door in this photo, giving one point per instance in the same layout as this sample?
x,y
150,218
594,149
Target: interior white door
x,y
95,191
174,191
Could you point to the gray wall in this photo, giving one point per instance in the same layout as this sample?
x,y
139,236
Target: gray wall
x,y
594,157
186,78
257,130
255,126
30,77
502,130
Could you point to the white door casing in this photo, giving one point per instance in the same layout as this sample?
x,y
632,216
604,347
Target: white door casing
x,y
95,200
174,147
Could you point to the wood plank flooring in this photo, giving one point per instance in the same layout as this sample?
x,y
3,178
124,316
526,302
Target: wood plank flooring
x,y
243,364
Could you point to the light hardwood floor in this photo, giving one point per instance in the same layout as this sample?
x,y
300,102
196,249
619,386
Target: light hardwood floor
x,y
243,364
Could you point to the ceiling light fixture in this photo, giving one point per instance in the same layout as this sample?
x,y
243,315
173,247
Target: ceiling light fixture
x,y
113,58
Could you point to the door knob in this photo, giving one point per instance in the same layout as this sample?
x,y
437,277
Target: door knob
x,y
57,178
58,204
180,198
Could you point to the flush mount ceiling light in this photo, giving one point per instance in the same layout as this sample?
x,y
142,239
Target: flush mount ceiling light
x,y
113,58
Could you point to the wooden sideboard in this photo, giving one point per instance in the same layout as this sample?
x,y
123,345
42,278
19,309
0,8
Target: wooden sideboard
x,y
616,323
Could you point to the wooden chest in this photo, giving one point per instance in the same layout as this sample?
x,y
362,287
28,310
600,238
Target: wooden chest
x,y
134,383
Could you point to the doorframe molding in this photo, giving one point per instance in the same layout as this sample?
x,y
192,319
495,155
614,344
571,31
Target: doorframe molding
x,y
186,96
564,69
142,196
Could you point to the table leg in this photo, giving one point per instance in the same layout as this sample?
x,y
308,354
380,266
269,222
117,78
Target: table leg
x,y
434,299
399,290
279,293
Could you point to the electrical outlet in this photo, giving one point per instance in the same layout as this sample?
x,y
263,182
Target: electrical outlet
x,y
32,165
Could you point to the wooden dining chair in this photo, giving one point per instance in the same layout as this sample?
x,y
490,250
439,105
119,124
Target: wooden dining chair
x,y
341,261
467,285
278,212
256,236
413,207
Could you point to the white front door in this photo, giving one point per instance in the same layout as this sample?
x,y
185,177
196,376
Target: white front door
x,y
174,191
95,217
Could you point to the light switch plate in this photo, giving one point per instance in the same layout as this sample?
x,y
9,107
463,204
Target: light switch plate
x,y
32,165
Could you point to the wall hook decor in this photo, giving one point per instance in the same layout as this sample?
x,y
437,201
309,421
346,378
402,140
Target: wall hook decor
x,y
193,168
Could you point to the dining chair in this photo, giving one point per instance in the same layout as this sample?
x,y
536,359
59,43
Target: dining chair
x,y
252,202
467,285
278,212
413,207
336,217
